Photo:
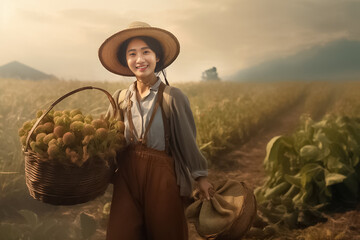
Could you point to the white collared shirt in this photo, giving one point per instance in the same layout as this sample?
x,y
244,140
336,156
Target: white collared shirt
x,y
141,113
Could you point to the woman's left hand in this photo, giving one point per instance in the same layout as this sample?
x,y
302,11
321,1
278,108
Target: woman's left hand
x,y
205,188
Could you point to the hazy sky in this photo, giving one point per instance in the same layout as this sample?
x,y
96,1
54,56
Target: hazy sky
x,y
62,37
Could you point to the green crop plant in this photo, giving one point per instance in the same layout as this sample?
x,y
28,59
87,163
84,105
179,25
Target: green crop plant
x,y
316,167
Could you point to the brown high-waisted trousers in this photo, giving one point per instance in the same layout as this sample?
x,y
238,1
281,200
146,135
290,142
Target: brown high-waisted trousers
x,y
146,203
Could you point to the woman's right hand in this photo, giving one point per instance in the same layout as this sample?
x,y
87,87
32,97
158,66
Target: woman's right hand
x,y
206,189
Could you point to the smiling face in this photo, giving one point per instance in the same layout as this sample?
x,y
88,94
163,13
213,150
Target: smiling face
x,y
141,60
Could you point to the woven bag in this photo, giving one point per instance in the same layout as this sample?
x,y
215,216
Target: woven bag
x,y
228,215
52,182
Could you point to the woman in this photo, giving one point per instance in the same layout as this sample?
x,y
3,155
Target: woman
x,y
154,175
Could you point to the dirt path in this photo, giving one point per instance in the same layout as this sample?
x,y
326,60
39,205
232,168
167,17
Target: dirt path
x,y
250,156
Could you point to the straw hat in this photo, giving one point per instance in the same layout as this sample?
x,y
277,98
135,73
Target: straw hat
x,y
228,215
108,50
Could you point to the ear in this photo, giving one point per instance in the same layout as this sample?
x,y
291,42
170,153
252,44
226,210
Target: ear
x,y
157,59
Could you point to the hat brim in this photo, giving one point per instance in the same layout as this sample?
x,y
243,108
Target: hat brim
x,y
108,50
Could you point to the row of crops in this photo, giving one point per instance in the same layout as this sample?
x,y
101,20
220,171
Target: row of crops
x,y
228,113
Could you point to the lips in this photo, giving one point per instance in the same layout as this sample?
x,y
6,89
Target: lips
x,y
142,67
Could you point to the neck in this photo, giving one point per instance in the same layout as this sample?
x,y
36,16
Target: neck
x,y
143,85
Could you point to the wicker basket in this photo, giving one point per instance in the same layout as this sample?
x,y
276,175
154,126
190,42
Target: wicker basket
x,y
58,184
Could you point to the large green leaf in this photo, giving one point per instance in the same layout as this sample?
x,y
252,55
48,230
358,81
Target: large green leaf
x,y
321,139
333,178
334,164
320,125
309,152
294,180
276,159
272,153
302,138
309,172
277,190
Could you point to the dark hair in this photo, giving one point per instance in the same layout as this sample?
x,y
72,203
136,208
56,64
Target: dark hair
x,y
153,44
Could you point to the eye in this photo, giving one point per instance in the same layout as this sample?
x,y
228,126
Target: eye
x,y
146,51
132,54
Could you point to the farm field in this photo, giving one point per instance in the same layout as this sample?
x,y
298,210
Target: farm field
x,y
235,121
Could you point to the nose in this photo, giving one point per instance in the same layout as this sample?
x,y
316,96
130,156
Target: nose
x,y
140,58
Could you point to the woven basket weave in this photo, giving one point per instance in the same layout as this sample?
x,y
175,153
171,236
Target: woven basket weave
x,y
58,184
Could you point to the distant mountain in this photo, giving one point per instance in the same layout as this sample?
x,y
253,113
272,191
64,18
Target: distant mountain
x,y
17,70
338,60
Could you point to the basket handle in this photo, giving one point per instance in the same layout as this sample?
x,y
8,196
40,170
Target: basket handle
x,y
111,99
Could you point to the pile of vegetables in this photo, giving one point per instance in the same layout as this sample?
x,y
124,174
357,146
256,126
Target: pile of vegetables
x,y
70,137
310,170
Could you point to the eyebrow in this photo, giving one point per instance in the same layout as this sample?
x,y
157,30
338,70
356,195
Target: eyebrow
x,y
130,50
